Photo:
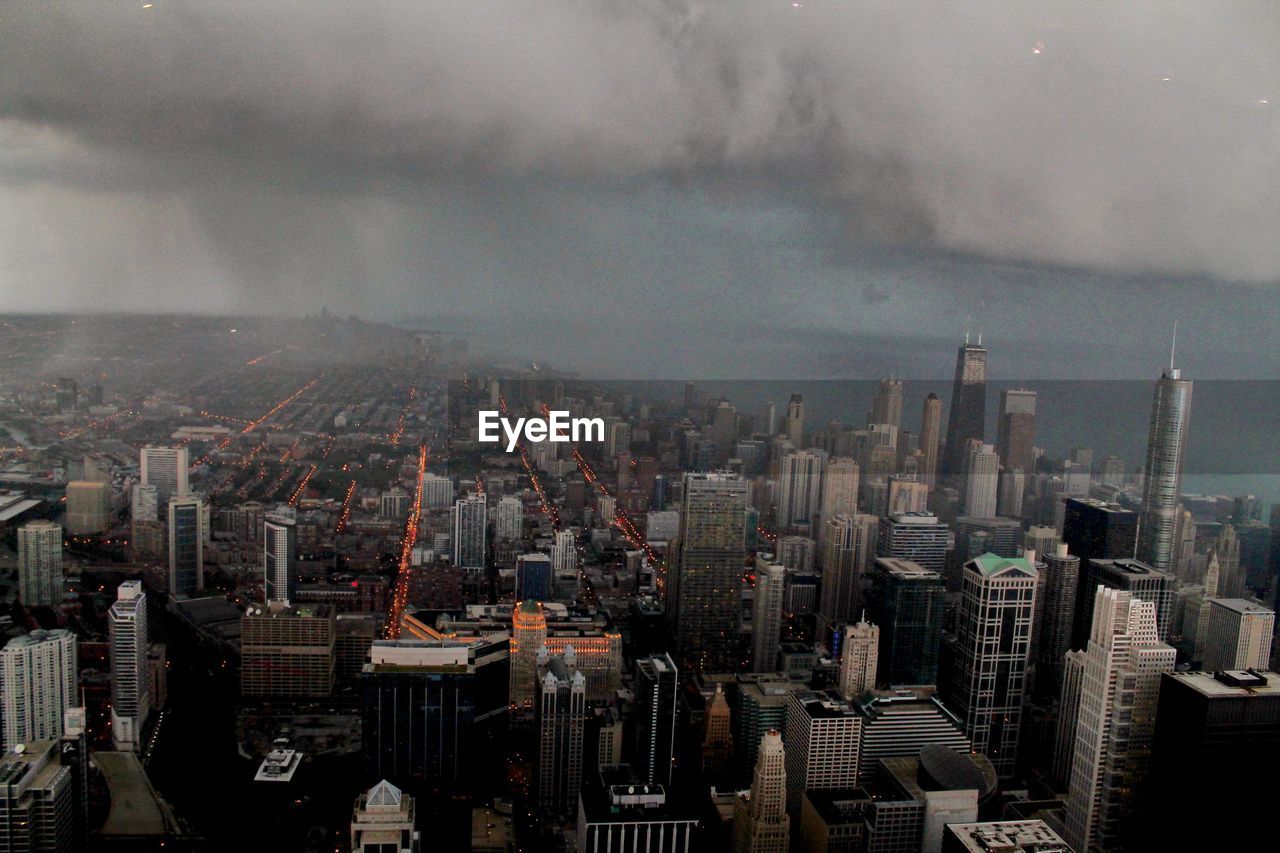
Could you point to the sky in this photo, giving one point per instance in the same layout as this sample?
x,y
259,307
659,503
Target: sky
x,y
657,188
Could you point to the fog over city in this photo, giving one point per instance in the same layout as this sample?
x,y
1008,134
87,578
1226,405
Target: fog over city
x,y
591,182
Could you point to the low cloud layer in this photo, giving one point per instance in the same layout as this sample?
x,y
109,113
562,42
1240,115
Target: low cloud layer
x,y
387,156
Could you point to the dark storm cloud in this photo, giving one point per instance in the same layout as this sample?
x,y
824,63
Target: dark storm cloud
x,y
613,163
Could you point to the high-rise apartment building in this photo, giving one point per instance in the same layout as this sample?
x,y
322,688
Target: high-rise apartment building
x,y
166,468
41,800
966,420
846,551
799,488
509,523
186,546
1162,475
1059,583
906,602
704,598
40,564
993,649
38,678
470,532
1114,717
280,555
762,824
766,617
130,682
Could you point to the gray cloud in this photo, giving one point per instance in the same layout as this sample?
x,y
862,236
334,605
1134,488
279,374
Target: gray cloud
x,y
663,156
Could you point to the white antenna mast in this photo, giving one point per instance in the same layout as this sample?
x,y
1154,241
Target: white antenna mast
x,y
1173,347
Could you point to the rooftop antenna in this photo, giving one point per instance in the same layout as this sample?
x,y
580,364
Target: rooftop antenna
x,y
979,336
966,331
1173,346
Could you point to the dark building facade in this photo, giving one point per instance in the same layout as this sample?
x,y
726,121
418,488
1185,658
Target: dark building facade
x,y
906,601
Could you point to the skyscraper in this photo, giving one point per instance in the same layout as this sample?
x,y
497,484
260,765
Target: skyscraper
x,y
1140,579
510,520
431,706
887,408
130,684
766,621
165,468
470,532
1239,635
982,482
793,427
657,689
533,577
186,546
1059,583
799,488
40,800
839,488
561,716
288,651
993,648
280,554
762,825
906,603
528,636
823,736
916,536
38,678
704,598
930,434
40,564
1114,718
967,418
1016,430
858,654
847,549
1162,475
1213,733
88,507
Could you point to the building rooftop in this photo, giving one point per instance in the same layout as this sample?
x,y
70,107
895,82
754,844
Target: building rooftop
x,y
1231,683
280,765
906,569
990,565
1241,605
1006,836
136,809
824,704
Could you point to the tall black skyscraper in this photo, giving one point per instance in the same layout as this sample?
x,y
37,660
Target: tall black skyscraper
x,y
1093,529
967,417
1214,734
657,685
906,602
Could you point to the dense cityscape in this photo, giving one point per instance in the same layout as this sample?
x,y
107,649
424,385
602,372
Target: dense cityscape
x,y
639,426
267,588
